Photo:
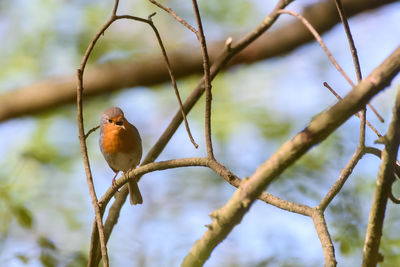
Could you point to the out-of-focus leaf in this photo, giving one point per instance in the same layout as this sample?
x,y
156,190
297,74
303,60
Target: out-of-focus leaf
x,y
23,216
77,260
23,258
47,259
46,243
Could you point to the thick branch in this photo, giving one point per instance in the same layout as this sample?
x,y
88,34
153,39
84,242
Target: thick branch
x,y
151,70
228,216
383,190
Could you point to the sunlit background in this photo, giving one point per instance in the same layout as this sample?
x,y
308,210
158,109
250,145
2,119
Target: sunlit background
x,y
45,209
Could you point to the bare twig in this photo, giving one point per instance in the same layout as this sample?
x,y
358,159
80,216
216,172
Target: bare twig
x,y
174,15
353,49
324,237
206,67
382,191
363,116
173,81
357,114
393,198
207,79
91,131
345,173
326,50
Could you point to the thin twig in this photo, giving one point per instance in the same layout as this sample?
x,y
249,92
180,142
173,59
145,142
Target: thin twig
x,y
207,79
206,67
175,16
357,114
393,198
91,131
326,50
173,81
344,174
353,49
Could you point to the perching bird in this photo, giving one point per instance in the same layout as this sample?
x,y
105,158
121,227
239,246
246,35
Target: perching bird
x,y
121,146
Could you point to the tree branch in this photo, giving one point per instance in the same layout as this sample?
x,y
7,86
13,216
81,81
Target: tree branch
x,y
344,174
228,216
175,16
58,91
173,81
82,135
324,237
383,189
207,79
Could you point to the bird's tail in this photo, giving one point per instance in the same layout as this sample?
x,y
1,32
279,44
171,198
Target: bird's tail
x,y
134,193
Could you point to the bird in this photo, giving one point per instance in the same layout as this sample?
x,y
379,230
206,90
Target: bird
x,y
121,146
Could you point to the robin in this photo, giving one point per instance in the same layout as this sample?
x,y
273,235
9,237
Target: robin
x,y
121,146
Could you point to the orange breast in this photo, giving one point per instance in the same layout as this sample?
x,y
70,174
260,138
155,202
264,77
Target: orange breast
x,y
118,140
112,142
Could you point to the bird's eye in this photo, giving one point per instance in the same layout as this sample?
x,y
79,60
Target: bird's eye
x,y
110,121
119,123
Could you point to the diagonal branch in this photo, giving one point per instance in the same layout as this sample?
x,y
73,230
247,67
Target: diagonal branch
x,y
344,174
228,216
383,189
